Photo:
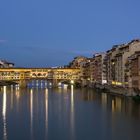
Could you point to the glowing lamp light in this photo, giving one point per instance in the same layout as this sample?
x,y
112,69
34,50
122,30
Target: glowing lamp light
x,y
113,82
72,82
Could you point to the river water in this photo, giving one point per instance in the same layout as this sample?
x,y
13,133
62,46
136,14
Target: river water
x,y
66,114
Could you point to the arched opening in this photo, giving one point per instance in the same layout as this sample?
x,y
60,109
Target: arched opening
x,y
39,74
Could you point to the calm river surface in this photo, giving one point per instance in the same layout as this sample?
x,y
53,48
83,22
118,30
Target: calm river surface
x,y
66,114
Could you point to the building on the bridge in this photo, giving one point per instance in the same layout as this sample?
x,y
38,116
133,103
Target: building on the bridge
x,y
65,74
6,64
11,74
54,75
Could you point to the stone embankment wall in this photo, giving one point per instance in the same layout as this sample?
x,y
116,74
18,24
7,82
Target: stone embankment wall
x,y
116,90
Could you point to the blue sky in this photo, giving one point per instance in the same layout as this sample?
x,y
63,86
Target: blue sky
x,y
43,33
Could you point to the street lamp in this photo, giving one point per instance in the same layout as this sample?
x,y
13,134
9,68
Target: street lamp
x,y
72,82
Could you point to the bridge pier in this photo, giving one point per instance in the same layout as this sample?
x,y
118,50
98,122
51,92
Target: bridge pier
x,y
55,83
23,83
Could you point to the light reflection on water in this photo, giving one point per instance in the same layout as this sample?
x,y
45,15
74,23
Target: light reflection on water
x,y
31,112
72,113
66,114
46,111
4,113
12,99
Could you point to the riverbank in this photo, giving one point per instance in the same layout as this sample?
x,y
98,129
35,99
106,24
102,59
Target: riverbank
x,y
117,90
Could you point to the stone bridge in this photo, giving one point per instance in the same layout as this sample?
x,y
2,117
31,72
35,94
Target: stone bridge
x,y
23,75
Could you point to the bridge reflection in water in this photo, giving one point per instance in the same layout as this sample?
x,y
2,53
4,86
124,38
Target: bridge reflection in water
x,y
52,113
44,84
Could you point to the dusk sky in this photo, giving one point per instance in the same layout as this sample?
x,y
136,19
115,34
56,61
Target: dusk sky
x,y
43,33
